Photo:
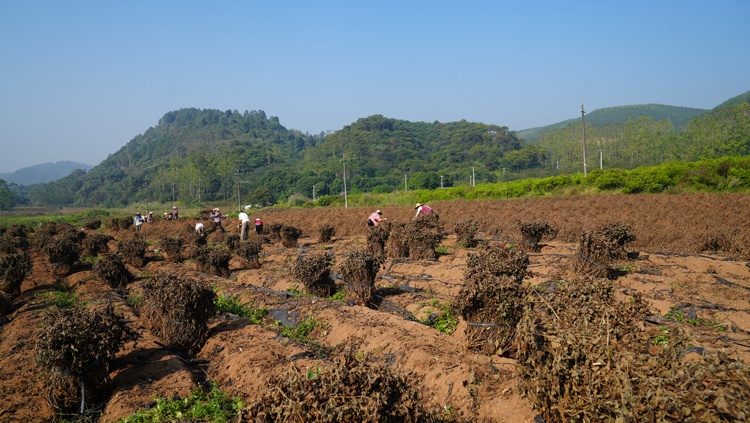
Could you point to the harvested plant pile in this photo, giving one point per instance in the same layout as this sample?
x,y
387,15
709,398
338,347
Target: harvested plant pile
x,y
117,223
326,232
15,237
231,241
598,249
13,270
172,247
274,230
133,251
377,236
532,233
398,246
76,347
177,311
314,271
581,357
95,244
289,236
62,252
465,231
358,270
111,269
423,235
92,224
249,251
350,390
492,298
218,260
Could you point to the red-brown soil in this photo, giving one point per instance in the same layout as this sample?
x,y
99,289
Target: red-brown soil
x,y
675,266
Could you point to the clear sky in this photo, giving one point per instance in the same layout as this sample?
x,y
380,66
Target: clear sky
x,y
79,79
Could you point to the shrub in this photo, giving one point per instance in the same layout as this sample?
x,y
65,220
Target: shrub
x,y
95,244
76,347
289,236
13,270
111,268
249,251
314,271
465,231
532,233
62,253
172,247
133,251
358,270
177,310
348,390
326,232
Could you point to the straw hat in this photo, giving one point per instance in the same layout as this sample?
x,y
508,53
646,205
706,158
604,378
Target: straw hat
x,y
378,212
418,205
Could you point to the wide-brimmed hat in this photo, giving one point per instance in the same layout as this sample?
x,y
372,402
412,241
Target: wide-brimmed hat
x,y
418,205
174,207
257,218
138,213
378,212
216,209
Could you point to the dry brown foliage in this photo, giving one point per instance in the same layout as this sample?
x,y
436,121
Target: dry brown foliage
x,y
348,390
111,269
532,233
62,252
358,270
172,247
289,236
218,260
598,249
76,348
95,244
583,356
491,299
133,251
249,251
177,311
398,247
314,272
377,236
465,231
13,270
326,232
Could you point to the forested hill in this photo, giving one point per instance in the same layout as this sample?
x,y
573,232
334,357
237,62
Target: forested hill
x,y
195,156
42,173
678,116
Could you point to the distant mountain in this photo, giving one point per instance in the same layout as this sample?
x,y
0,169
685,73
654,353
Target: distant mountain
x,y
42,173
742,98
679,116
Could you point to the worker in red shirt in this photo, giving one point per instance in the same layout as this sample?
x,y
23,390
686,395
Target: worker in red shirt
x,y
422,209
375,219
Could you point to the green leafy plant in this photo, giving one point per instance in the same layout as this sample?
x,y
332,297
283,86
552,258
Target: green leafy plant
x,y
62,299
212,406
301,332
447,321
233,305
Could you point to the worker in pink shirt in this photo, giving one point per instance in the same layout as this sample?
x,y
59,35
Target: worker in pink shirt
x,y
375,219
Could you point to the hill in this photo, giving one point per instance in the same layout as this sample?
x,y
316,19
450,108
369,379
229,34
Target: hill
x,y
678,116
41,173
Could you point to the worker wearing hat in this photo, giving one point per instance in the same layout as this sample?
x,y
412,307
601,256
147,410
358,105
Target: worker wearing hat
x,y
375,219
217,217
138,221
175,213
422,209
258,226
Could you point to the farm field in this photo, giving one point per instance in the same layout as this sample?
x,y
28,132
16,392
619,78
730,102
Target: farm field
x,y
688,262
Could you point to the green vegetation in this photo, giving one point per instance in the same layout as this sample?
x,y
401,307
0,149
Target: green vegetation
x,y
300,333
446,321
677,314
62,299
233,305
213,406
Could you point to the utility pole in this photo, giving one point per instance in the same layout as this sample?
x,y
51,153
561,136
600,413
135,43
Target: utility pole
x,y
313,192
239,207
145,188
406,186
601,159
346,200
583,125
473,177
441,181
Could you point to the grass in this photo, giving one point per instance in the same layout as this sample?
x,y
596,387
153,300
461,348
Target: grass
x,y
447,321
301,332
63,299
212,406
678,316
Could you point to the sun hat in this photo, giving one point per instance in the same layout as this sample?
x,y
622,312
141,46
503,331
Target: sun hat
x,y
257,218
418,205
174,207
378,211
216,209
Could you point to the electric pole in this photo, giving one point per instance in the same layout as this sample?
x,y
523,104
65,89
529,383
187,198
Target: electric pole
x,y
346,200
583,125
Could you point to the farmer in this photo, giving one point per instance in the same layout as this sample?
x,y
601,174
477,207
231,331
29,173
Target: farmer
x,y
168,216
244,225
375,219
217,217
258,226
200,230
138,221
150,217
422,209
175,213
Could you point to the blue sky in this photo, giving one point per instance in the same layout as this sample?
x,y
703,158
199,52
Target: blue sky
x,y
79,79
